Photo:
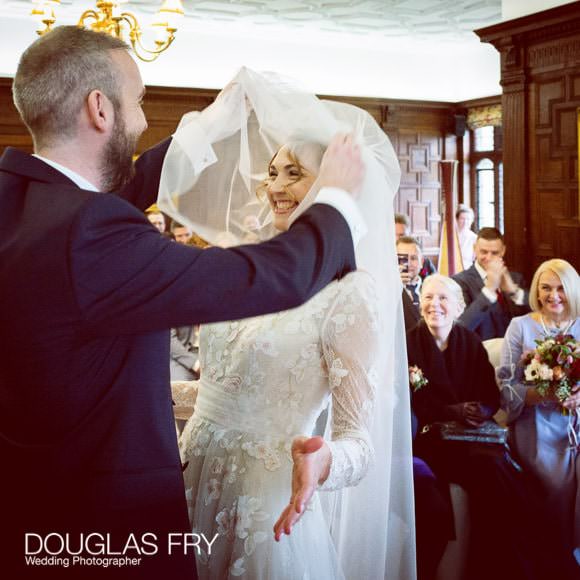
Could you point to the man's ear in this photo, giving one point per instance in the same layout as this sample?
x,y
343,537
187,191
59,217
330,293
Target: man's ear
x,y
100,111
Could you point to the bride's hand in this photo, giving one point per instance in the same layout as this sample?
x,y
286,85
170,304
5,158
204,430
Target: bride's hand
x,y
311,457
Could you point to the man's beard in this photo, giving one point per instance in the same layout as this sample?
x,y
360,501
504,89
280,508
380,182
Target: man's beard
x,y
117,167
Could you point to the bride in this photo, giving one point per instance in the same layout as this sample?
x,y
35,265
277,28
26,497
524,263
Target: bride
x,y
341,506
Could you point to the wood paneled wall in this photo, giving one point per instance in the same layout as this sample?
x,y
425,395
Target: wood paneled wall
x,y
540,76
421,133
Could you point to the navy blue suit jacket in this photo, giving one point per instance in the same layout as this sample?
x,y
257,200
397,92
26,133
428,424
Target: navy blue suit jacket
x,y
88,293
481,316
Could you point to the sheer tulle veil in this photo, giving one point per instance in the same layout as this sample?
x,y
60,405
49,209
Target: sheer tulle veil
x,y
215,164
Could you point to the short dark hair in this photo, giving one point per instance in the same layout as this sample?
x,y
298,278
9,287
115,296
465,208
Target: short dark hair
x,y
490,234
175,225
401,218
55,75
410,240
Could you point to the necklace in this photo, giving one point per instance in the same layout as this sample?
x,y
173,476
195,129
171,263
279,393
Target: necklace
x,y
556,330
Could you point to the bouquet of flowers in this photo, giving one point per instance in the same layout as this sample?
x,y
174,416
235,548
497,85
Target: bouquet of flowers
x,y
417,379
553,367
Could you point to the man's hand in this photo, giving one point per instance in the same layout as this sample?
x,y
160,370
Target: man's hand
x,y
342,165
495,272
405,276
507,284
311,457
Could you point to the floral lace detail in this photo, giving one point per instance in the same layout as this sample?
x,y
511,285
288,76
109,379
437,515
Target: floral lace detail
x,y
299,364
336,372
269,455
241,522
267,450
265,381
350,462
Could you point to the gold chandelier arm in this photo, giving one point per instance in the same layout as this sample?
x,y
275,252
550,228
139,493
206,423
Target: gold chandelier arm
x,y
108,19
146,54
87,14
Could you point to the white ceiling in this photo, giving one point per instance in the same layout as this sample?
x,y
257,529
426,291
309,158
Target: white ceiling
x,y
415,49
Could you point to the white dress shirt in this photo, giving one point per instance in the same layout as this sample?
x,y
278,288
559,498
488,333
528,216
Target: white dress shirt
x,y
72,175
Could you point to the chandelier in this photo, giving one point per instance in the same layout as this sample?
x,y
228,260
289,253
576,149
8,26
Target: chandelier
x,y
108,18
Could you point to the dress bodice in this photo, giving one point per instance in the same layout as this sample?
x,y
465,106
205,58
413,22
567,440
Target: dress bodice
x,y
265,380
267,373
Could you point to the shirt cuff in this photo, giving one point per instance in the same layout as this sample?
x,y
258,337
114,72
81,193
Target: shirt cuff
x,y
518,297
489,294
347,206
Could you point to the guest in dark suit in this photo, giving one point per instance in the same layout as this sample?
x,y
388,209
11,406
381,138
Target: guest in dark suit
x,y
87,438
410,270
403,228
493,295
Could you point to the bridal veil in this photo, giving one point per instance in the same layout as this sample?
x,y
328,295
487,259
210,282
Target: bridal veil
x,y
216,162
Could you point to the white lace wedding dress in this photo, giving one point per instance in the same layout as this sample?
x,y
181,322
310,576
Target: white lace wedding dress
x,y
264,381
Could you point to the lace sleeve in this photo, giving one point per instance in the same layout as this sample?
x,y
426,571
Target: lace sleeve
x,y
350,338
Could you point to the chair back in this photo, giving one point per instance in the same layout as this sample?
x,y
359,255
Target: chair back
x,y
493,347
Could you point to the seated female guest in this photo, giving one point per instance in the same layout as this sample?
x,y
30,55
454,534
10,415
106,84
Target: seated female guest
x,y
546,432
461,387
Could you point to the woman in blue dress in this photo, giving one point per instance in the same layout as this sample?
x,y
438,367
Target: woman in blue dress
x,y
545,438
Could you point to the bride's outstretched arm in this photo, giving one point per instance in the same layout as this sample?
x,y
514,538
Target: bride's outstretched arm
x,y
350,339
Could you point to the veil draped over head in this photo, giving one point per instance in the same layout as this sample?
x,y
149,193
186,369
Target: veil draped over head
x,y
219,157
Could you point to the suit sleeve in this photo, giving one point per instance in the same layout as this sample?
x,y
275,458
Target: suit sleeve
x,y
128,278
477,307
142,190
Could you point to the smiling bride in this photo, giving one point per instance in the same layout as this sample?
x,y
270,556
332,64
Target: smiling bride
x,y
286,505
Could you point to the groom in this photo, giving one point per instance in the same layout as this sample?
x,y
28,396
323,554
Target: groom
x,y
88,293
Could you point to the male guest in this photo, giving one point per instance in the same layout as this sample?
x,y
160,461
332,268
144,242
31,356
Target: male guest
x,y
181,234
493,295
157,220
87,438
403,228
410,278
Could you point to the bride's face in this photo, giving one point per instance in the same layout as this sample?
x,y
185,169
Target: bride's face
x,y
287,185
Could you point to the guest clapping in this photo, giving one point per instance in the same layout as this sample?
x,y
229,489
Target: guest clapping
x,y
493,295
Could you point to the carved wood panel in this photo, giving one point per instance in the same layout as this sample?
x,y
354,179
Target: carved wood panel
x,y
541,94
419,153
552,127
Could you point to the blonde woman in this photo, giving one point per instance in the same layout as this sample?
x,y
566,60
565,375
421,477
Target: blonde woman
x,y
545,438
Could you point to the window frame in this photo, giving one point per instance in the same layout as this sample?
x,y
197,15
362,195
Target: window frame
x,y
496,157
